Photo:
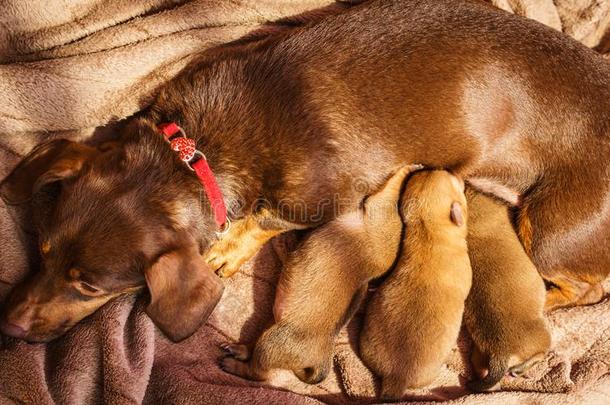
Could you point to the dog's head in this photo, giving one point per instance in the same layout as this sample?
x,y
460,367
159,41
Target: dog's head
x,y
111,222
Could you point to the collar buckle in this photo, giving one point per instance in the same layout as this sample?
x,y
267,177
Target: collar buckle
x,y
196,161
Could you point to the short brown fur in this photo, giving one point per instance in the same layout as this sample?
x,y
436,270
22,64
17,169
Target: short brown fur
x,y
305,115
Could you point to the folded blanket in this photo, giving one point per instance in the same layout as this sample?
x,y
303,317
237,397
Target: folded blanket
x,y
69,69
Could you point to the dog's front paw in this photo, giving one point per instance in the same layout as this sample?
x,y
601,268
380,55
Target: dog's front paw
x,y
226,259
241,242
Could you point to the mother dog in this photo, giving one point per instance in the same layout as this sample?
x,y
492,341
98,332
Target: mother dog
x,y
293,124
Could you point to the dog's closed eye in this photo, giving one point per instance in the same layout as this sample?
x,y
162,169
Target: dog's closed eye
x,y
84,287
87,289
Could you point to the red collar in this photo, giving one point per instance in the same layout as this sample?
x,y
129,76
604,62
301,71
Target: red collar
x,y
197,162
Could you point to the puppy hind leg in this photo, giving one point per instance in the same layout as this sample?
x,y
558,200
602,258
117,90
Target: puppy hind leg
x,y
540,222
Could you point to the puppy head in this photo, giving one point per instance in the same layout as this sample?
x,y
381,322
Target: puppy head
x,y
110,223
436,197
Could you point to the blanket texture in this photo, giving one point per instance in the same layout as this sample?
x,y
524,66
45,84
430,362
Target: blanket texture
x,y
69,68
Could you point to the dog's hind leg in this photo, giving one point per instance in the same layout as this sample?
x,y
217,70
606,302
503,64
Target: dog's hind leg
x,y
567,292
568,241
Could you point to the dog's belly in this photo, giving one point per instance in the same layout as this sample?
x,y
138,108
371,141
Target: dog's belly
x,y
491,187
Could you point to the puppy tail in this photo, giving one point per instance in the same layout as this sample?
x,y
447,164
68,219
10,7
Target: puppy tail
x,y
497,370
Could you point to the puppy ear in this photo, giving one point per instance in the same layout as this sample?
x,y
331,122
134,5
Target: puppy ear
x,y
51,161
456,214
183,292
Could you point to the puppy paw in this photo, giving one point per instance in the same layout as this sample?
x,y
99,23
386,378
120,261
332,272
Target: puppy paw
x,y
239,352
233,366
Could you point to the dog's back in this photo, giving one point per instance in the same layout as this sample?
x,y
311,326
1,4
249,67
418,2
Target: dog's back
x,y
413,320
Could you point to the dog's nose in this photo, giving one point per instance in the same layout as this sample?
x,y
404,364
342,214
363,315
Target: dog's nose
x,y
12,329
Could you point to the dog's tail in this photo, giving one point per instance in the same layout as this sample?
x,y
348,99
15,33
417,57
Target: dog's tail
x,y
498,367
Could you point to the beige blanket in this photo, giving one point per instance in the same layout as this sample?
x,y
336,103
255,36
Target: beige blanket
x,y
69,67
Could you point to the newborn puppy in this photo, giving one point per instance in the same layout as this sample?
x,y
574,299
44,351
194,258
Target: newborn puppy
x,y
504,311
321,287
414,318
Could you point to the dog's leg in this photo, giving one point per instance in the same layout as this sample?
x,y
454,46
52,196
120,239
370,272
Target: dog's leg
x,y
567,292
573,283
239,352
238,362
238,245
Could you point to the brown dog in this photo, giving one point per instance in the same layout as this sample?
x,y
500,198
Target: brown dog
x,y
321,287
414,318
90,259
504,309
326,112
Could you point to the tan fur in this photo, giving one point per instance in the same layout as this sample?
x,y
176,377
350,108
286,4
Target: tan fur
x,y
414,318
317,128
242,240
322,285
504,311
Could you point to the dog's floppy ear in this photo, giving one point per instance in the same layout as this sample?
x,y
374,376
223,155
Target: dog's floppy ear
x,y
48,162
183,292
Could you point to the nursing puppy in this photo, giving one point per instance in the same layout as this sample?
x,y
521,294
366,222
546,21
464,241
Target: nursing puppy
x,y
504,311
321,287
414,318
465,87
